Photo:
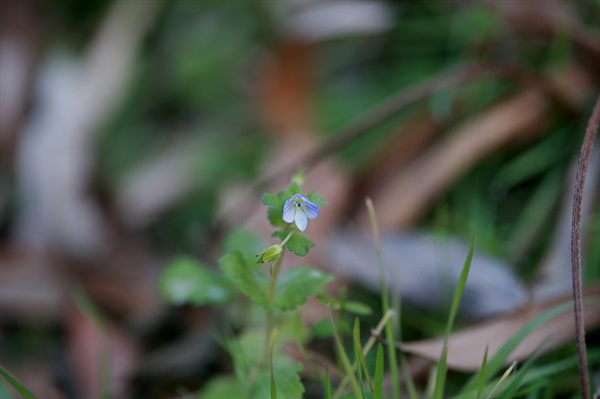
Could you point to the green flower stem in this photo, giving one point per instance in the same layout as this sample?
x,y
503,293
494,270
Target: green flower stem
x,y
285,240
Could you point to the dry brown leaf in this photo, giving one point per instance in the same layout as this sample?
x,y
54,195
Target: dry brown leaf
x,y
466,348
404,197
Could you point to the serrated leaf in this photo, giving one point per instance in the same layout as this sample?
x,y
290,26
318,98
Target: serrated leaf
x,y
287,381
247,279
270,200
297,284
187,281
298,243
223,387
317,199
245,241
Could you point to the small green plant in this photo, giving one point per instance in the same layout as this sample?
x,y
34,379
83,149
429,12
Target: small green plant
x,y
260,369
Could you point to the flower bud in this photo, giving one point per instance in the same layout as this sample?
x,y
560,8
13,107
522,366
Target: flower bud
x,y
270,254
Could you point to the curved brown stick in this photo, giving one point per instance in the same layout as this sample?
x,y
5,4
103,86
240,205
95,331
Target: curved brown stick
x,y
586,151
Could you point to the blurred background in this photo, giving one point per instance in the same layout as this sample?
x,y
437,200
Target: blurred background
x,y
134,131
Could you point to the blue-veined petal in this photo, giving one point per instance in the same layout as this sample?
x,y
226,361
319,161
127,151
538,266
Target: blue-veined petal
x,y
311,209
301,219
288,211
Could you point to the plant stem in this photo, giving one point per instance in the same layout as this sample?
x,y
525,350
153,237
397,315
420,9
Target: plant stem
x,y
269,327
586,152
285,240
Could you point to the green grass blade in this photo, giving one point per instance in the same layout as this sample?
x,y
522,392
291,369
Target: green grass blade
x,y
498,360
504,377
519,377
360,357
389,328
378,386
344,357
440,379
359,369
17,385
327,384
482,373
540,373
380,326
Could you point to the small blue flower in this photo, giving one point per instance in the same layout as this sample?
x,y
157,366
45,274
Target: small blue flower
x,y
299,209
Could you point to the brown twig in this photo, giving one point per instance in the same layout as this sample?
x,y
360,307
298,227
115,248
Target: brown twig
x,y
586,152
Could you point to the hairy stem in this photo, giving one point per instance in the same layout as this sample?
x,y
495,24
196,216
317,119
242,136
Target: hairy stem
x,y
586,151
269,326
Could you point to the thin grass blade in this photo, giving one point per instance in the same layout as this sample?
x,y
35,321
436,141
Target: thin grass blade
x,y
440,379
17,385
499,359
344,357
482,373
378,386
360,355
389,328
504,377
327,384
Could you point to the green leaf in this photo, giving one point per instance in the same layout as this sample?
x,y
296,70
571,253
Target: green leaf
x,y
17,385
322,329
275,216
247,279
270,200
317,199
357,308
378,384
298,243
482,372
287,380
223,387
440,379
244,350
245,241
186,280
295,285
289,191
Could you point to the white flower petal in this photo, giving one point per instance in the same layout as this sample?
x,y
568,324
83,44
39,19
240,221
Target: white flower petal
x,y
311,209
288,212
301,220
